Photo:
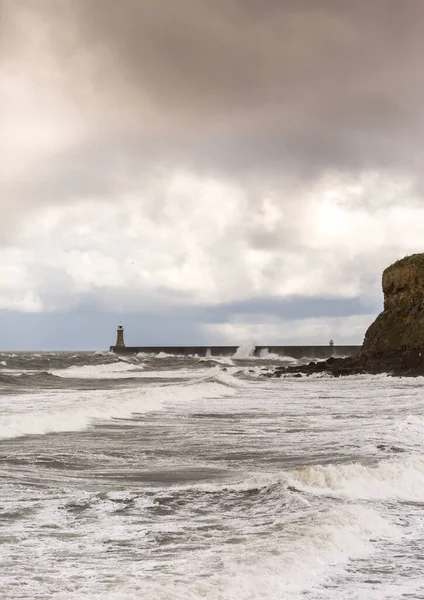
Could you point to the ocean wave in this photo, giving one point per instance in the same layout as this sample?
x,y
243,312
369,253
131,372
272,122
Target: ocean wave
x,y
221,360
249,352
265,354
115,370
245,351
14,378
227,378
61,411
391,479
272,566
164,355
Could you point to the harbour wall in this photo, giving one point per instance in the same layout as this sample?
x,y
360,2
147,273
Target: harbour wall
x,y
320,352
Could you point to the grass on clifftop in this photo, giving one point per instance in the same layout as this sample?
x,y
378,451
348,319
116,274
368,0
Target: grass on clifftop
x,y
414,259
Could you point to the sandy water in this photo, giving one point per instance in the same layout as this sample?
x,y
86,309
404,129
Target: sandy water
x,y
182,478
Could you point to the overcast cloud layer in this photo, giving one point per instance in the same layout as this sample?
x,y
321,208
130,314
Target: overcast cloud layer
x,y
187,166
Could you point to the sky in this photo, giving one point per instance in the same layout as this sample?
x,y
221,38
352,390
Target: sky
x,y
217,172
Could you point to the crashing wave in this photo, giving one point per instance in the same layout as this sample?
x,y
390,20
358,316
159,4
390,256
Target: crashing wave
x,y
394,478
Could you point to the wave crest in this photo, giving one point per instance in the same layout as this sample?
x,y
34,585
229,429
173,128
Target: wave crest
x,y
397,478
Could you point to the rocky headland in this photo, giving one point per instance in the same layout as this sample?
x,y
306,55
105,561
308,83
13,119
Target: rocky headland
x,y
394,342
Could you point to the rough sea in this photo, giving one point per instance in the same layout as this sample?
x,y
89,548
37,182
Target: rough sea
x,y
165,478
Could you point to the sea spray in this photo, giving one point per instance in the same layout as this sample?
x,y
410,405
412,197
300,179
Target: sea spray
x,y
245,351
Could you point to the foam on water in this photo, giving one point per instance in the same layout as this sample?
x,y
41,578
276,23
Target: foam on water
x,y
118,370
272,549
267,568
218,487
217,375
33,414
397,478
265,354
164,355
128,370
248,352
245,351
221,360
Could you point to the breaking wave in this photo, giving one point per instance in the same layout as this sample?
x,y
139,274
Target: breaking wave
x,y
71,411
115,370
16,379
390,479
280,566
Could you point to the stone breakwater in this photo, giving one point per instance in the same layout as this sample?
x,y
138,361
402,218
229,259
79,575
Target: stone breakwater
x,y
394,342
248,351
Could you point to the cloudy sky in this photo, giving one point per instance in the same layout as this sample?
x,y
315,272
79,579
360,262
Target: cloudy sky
x,y
207,171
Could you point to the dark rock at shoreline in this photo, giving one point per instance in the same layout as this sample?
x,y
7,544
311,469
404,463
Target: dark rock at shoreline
x,y
394,342
408,363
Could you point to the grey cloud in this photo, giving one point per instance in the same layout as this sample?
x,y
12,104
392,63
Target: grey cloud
x,y
257,91
300,85
289,86
269,94
295,307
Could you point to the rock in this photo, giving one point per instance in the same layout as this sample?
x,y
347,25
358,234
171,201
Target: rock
x,y
394,342
412,358
401,325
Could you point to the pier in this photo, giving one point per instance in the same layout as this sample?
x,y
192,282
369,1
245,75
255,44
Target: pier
x,y
245,351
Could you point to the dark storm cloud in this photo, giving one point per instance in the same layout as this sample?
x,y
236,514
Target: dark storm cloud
x,y
6,35
261,90
305,84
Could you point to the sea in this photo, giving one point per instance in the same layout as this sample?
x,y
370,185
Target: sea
x,y
160,477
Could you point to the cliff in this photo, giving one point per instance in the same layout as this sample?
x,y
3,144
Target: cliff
x,y
401,325
394,343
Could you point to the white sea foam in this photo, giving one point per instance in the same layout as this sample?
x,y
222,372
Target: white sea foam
x,y
140,371
245,351
64,412
223,377
70,411
411,425
221,360
396,478
256,568
114,370
265,354
162,355
242,536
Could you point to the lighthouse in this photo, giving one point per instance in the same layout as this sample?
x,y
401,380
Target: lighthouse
x,y
120,337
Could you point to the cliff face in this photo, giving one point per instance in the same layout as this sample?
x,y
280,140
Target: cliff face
x,y
394,343
401,325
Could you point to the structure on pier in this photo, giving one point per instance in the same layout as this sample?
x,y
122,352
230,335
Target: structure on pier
x,y
120,344
297,352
